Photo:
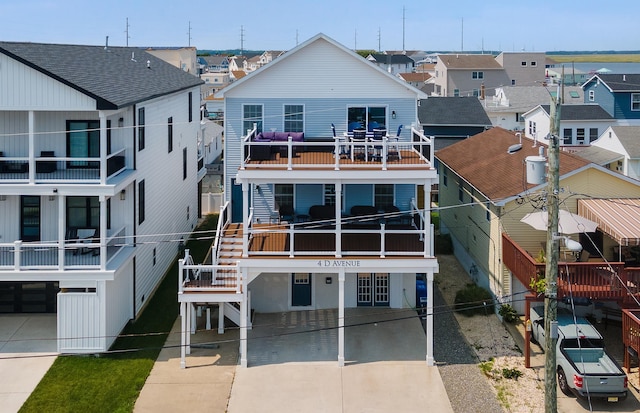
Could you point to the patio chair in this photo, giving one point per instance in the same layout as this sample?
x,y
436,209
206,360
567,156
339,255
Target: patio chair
x,y
344,151
393,148
359,145
378,135
286,213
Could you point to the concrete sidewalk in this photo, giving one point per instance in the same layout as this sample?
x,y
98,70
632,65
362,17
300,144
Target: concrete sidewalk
x,y
279,380
28,347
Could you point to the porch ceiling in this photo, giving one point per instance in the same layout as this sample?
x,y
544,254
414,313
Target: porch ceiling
x,y
619,218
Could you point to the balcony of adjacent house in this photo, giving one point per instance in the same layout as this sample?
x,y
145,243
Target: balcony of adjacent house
x,y
363,150
579,275
42,242
57,158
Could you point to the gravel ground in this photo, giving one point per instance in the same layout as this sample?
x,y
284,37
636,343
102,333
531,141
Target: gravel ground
x,y
467,388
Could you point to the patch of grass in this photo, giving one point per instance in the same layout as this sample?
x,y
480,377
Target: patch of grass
x,y
487,367
503,396
112,382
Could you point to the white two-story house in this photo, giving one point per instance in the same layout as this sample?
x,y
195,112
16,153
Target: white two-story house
x,y
99,171
316,218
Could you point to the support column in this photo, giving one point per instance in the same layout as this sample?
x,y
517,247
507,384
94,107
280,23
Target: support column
x,y
429,329
245,220
187,333
208,315
341,278
183,330
103,233
103,147
243,320
32,148
220,318
338,191
62,230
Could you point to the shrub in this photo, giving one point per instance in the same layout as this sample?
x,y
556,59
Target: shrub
x,y
508,313
512,373
472,300
443,244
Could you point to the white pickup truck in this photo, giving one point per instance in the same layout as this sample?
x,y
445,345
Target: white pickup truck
x,y
583,366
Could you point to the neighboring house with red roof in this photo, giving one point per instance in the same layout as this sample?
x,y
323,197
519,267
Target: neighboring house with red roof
x,y
483,194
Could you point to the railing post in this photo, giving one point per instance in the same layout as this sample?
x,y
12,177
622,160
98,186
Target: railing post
x,y
382,240
385,152
180,273
291,240
17,249
289,153
336,153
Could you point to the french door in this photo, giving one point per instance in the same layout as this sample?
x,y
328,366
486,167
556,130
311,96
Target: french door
x,y
373,290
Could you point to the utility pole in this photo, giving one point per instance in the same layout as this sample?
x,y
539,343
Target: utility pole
x,y
551,292
189,34
126,30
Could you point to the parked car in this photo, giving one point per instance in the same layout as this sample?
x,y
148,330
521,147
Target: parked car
x,y
583,366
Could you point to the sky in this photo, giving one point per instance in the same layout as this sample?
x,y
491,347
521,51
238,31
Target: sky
x,y
445,25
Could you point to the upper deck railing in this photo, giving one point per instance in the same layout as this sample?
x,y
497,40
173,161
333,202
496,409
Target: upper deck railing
x,y
338,153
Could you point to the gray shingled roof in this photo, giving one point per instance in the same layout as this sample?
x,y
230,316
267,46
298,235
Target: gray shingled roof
x,y
393,59
466,110
581,112
598,155
629,136
116,76
621,82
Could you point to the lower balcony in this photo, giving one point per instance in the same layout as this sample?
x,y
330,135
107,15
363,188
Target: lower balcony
x,y
593,280
82,253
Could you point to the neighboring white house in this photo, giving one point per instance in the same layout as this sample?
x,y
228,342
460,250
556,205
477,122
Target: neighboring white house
x,y
509,103
93,167
579,124
312,218
625,142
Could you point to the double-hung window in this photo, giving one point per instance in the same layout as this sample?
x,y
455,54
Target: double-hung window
x,y
635,101
283,194
593,134
141,201
383,196
477,75
251,114
294,118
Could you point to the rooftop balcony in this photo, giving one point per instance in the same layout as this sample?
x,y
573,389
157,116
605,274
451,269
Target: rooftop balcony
x,y
48,168
339,153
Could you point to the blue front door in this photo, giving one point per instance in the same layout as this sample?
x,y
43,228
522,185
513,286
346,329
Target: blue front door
x,y
300,290
236,201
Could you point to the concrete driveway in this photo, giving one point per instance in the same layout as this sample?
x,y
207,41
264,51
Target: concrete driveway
x,y
293,364
293,367
28,347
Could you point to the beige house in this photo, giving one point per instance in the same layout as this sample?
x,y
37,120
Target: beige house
x,y
181,57
466,74
483,195
523,68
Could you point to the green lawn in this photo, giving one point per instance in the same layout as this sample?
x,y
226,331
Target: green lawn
x,y
112,383
601,58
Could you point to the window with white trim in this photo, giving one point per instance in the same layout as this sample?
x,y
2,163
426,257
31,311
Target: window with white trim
x,y
251,114
477,75
635,101
294,118
383,196
593,134
592,95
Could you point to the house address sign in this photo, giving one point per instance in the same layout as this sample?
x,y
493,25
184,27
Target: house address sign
x,y
339,263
